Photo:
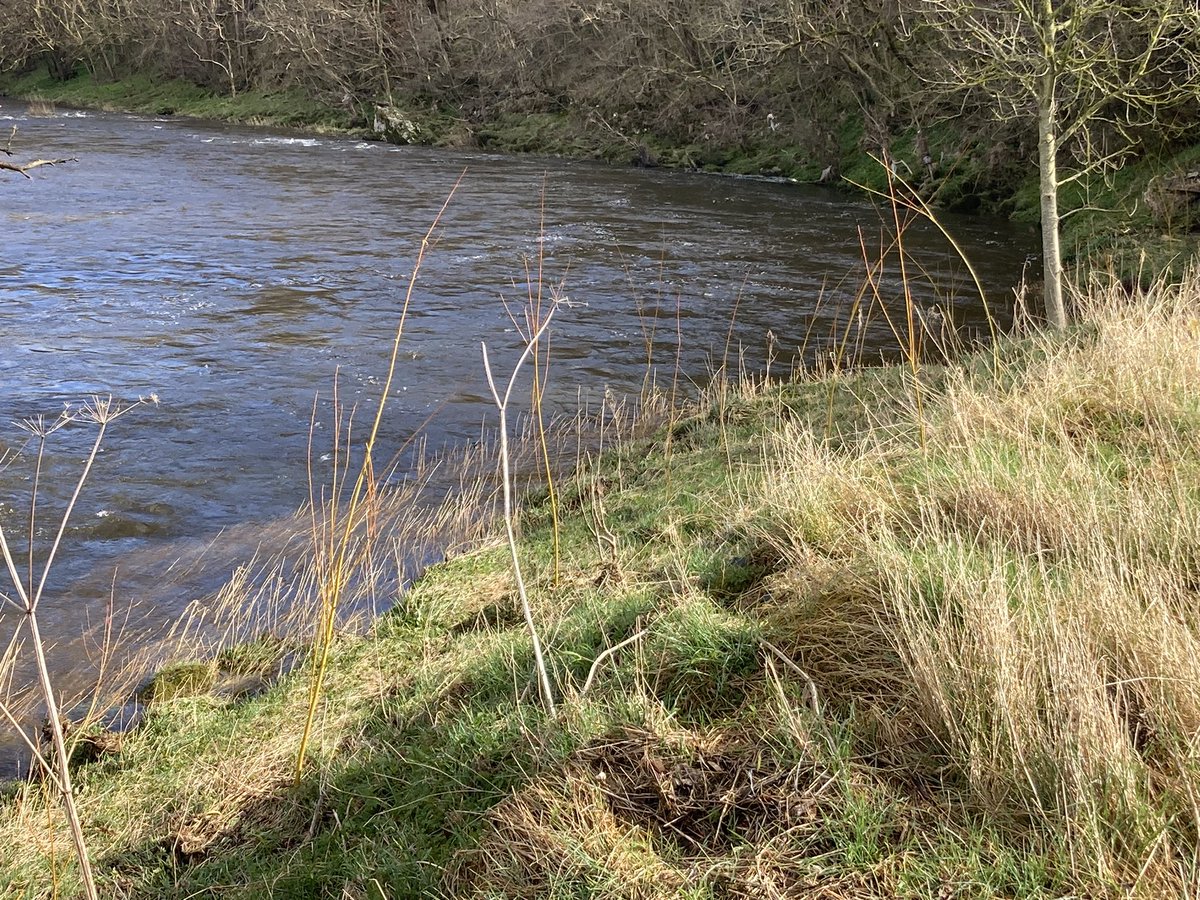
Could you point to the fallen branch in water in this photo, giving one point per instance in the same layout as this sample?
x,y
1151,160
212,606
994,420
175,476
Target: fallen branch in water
x,y
25,169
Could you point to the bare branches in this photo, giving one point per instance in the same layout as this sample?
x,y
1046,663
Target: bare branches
x,y
1087,72
1099,54
599,660
26,168
501,401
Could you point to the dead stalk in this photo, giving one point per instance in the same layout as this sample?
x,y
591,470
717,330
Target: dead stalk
x,y
541,376
100,412
509,522
909,309
814,700
334,550
599,660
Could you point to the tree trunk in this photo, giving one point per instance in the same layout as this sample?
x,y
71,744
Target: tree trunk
x,y
60,64
1052,266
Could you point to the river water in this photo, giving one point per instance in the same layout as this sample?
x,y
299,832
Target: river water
x,y
232,271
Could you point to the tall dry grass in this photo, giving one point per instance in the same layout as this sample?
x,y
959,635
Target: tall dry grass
x,y
338,514
1015,606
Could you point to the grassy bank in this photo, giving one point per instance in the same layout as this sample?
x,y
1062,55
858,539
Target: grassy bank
x,y
871,648
163,97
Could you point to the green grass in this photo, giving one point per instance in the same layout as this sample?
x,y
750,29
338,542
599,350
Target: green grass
x,y
168,96
997,627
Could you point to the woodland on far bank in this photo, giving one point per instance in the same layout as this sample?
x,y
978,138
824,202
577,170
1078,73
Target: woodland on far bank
x,y
788,87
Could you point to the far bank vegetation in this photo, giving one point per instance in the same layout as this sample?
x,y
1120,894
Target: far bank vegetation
x,y
817,76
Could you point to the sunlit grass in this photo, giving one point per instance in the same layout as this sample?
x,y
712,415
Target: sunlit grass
x,y
852,661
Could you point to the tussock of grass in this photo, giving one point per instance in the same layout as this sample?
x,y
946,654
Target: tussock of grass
x,y
182,679
853,664
1034,565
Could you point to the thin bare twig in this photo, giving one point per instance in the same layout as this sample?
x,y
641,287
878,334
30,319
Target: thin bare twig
x,y
814,700
598,661
506,477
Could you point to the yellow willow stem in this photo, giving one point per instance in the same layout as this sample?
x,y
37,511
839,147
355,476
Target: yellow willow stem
x,y
914,363
331,588
552,493
538,381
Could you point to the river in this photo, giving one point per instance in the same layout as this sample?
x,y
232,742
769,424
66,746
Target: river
x,y
231,271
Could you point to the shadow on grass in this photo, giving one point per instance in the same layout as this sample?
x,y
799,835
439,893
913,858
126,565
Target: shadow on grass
x,y
385,822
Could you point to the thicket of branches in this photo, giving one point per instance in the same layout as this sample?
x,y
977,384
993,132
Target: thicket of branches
x,y
715,67
1030,83
688,69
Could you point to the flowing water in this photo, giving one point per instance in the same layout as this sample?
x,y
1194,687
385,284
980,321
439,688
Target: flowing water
x,y
232,271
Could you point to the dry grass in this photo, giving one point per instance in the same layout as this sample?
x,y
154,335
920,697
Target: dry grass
x,y
40,108
558,833
998,617
1020,597
646,813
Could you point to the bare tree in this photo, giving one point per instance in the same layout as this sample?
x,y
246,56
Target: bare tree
x,y
1089,73
859,39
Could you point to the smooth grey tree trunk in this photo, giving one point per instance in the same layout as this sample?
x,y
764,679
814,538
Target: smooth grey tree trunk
x,y
1056,313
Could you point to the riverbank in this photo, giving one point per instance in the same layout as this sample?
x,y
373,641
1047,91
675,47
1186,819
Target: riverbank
x,y
151,96
417,121
1141,222
880,635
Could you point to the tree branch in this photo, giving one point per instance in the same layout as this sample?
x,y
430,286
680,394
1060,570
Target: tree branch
x,y
37,163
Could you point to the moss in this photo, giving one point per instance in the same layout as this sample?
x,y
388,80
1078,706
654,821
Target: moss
x,y
178,680
158,96
266,655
